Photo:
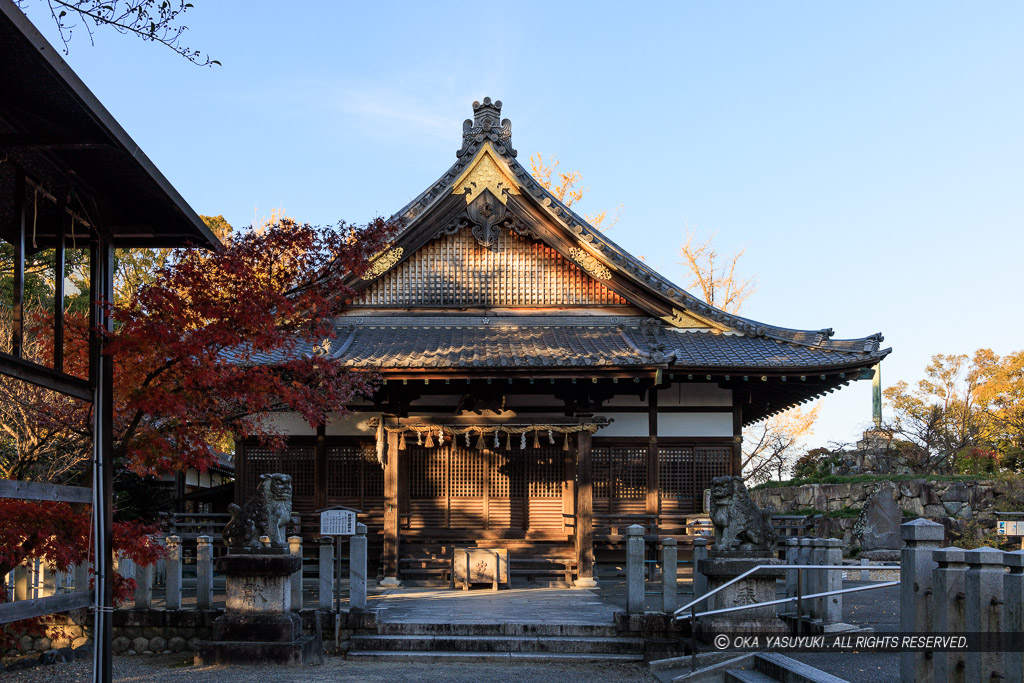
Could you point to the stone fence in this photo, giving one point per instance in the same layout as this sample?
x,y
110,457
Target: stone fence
x,y
977,594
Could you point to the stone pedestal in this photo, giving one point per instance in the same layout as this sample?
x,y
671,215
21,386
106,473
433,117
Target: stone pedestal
x,y
258,625
724,566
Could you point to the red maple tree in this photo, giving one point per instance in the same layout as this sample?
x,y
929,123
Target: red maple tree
x,y
217,342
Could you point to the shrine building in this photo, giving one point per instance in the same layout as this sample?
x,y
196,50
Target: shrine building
x,y
543,389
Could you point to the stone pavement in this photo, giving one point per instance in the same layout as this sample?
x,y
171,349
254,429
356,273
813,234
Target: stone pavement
x,y
484,606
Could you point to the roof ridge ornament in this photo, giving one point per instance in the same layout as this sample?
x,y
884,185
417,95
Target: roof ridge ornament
x,y
486,124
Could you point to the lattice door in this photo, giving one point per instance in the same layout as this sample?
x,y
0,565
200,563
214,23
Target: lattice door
x,y
676,480
355,479
620,480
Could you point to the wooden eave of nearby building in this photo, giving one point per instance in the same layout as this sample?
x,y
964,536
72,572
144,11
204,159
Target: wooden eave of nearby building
x,y
55,130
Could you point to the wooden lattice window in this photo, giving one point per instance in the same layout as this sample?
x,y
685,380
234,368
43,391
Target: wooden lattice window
x,y
298,461
500,477
675,472
467,472
545,468
620,472
428,472
711,462
353,472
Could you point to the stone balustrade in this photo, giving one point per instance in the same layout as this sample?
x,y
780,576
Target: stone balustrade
x,y
951,591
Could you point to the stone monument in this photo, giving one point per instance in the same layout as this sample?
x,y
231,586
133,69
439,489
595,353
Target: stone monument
x,y
744,538
258,625
878,526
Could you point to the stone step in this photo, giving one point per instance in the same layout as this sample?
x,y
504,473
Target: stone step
x,y
493,657
491,629
782,668
747,676
544,644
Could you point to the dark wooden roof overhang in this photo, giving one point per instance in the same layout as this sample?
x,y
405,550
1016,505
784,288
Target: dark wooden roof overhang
x,y
54,131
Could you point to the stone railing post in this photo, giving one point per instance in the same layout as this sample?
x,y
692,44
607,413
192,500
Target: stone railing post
x,y
817,578
160,570
21,582
948,591
983,609
173,568
325,583
144,587
792,556
1013,612
921,537
635,569
700,580
125,567
832,606
669,578
295,548
865,574
204,573
80,577
357,569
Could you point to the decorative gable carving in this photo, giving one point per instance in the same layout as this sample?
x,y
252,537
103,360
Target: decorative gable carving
x,y
456,270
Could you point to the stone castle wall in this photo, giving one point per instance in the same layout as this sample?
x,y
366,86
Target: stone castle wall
x,y
955,504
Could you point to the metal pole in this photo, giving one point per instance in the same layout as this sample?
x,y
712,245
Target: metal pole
x,y
102,377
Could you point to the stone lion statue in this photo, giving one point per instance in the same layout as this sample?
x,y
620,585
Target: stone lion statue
x,y
739,524
265,514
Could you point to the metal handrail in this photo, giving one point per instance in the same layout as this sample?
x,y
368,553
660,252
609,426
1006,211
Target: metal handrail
x,y
799,597
786,567
884,584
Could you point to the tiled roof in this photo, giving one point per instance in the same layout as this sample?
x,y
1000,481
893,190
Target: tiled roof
x,y
476,343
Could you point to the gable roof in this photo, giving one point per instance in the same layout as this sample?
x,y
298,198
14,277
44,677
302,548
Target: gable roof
x,y
407,321
486,166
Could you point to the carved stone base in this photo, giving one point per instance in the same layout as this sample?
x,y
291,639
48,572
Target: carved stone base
x,y
722,567
258,626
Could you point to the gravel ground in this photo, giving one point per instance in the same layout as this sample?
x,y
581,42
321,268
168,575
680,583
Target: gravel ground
x,y
159,668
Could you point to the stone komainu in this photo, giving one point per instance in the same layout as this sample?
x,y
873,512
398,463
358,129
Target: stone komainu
x,y
265,514
739,524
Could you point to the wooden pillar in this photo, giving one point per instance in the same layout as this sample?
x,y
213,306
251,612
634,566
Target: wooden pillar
x,y
584,512
652,456
320,468
389,556
736,465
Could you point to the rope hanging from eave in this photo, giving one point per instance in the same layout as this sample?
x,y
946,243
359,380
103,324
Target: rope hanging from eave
x,y
508,430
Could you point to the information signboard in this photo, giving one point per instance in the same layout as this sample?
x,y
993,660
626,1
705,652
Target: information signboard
x,y
1011,528
337,523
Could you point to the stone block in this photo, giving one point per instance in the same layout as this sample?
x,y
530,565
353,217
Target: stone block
x,y
152,631
254,594
952,508
934,511
177,644
41,644
191,645
140,644
158,644
79,643
258,627
957,492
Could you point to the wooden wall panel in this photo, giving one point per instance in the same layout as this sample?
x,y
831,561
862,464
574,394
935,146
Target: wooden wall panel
x,y
457,271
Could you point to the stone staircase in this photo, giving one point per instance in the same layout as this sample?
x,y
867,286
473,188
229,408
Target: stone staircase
x,y
496,643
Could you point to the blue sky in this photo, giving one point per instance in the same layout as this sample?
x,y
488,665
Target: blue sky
x,y
868,155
